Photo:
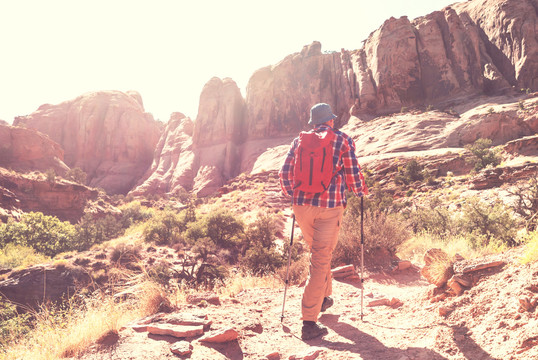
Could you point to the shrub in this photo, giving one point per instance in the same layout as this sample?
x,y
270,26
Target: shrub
x,y
531,249
125,254
223,228
526,202
412,172
12,256
46,234
165,227
483,155
382,231
77,175
92,231
12,324
134,212
486,222
433,218
50,174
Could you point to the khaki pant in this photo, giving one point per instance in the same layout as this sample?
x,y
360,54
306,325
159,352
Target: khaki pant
x,y
320,228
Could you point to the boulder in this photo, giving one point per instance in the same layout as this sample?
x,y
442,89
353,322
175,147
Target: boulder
x,y
37,284
107,134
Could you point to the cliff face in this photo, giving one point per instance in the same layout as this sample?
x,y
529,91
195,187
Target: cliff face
x,y
470,49
26,150
107,134
200,156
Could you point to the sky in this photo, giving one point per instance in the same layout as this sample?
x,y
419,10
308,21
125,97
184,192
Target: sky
x,y
167,50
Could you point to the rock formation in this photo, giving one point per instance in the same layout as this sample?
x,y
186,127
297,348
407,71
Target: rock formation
x,y
172,167
107,134
200,156
476,47
27,150
34,192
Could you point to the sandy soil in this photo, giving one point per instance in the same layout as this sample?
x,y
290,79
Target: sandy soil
x,y
484,323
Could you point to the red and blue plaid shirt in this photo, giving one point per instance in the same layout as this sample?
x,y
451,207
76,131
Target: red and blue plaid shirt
x,y
348,176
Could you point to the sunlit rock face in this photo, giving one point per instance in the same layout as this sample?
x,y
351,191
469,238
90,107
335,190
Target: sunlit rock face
x,y
107,134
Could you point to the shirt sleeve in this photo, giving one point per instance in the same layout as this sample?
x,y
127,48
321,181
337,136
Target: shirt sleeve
x,y
352,170
286,172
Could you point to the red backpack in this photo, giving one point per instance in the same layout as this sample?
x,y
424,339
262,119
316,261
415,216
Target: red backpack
x,y
313,168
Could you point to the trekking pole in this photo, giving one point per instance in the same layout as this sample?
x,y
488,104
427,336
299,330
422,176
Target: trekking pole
x,y
362,254
288,269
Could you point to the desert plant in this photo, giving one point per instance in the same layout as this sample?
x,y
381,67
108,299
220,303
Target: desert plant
x,y
13,325
134,212
46,234
483,155
92,231
50,175
13,255
531,248
488,222
165,227
433,218
77,175
383,232
526,201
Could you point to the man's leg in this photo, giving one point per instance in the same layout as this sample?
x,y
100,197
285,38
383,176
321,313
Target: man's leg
x,y
320,227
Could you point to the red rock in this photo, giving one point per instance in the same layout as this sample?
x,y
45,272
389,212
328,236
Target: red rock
x,y
182,348
220,336
25,150
179,331
107,134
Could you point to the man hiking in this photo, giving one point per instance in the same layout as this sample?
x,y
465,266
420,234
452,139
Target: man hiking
x,y
319,167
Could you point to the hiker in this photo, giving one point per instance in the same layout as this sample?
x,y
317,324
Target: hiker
x,y
319,213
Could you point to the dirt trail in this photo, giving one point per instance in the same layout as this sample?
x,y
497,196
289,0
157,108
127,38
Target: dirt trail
x,y
484,323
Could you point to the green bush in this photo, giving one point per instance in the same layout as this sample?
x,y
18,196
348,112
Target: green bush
x,y
77,175
260,255
134,212
165,227
12,324
12,256
526,202
433,218
224,228
487,222
92,231
483,155
411,172
46,234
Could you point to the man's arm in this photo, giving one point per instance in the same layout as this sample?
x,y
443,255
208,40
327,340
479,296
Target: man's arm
x,y
286,172
352,170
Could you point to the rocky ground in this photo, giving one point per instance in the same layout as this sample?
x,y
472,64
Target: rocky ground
x,y
491,320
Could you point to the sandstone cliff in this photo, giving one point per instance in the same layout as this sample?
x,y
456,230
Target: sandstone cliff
x,y
472,48
107,134
27,150
462,54
200,156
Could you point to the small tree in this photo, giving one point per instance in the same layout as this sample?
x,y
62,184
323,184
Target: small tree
x,y
77,175
483,154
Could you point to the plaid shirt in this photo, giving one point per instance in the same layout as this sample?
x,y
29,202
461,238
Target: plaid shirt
x,y
348,175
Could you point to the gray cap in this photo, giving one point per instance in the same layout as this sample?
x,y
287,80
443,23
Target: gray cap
x,y
320,113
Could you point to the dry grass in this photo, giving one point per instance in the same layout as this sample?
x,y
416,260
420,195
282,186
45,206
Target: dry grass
x,y
415,248
531,249
69,332
233,285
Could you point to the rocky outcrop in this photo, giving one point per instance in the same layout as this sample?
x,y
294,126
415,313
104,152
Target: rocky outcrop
x,y
28,150
279,97
34,192
41,283
508,31
472,48
107,134
200,156
172,168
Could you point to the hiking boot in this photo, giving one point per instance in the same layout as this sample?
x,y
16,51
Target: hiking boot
x,y
312,330
327,303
